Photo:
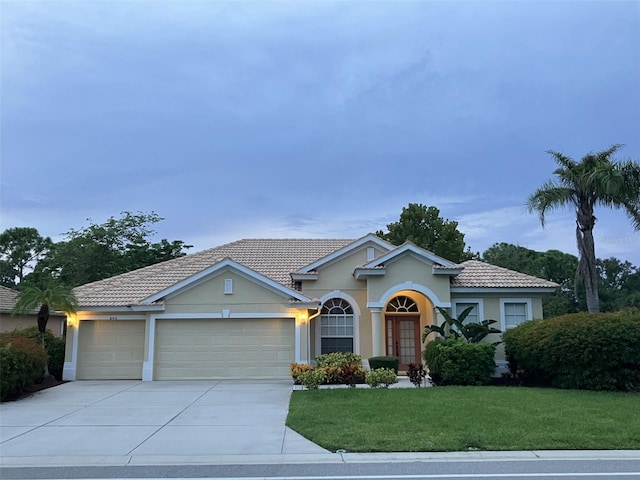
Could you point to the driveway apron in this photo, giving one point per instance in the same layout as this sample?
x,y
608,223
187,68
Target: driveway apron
x,y
133,418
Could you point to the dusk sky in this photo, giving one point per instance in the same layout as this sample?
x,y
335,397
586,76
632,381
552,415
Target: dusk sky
x,y
307,119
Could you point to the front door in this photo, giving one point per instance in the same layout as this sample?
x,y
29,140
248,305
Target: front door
x,y
403,339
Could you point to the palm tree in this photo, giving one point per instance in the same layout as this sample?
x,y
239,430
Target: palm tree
x,y
54,296
595,180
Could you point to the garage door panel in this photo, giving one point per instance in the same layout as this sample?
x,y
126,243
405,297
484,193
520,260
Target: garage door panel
x,y
111,350
219,348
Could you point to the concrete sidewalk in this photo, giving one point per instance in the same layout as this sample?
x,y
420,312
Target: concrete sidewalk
x,y
115,421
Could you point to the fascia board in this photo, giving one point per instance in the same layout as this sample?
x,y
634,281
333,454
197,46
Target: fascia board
x,y
368,272
156,307
446,271
301,277
207,273
345,250
503,289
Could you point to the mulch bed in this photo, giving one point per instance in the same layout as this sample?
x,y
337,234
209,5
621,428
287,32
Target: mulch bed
x,y
36,387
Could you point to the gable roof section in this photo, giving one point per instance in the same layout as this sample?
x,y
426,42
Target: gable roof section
x,y
272,258
480,275
440,266
352,246
223,265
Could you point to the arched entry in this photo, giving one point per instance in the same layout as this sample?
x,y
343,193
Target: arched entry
x,y
402,324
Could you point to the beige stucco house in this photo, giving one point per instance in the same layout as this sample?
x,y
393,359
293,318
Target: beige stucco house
x,y
8,322
251,307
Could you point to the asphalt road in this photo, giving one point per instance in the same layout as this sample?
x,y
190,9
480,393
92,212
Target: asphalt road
x,y
569,469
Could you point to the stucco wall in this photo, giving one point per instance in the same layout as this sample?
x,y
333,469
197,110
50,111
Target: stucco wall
x,y
9,323
209,297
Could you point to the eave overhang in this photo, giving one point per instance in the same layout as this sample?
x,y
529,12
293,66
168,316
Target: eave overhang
x,y
520,290
362,272
302,277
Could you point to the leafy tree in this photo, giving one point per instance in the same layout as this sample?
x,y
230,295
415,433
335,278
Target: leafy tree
x,y
552,265
616,286
54,296
20,248
100,251
424,227
595,180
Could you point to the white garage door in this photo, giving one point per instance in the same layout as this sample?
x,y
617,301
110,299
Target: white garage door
x,y
109,350
223,348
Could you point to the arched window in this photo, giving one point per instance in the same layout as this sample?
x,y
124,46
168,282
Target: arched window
x,y
402,304
336,326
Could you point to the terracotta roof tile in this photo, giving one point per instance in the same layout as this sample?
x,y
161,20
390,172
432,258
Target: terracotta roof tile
x,y
485,275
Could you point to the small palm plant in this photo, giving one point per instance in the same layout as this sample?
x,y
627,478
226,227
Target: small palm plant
x,y
454,327
53,296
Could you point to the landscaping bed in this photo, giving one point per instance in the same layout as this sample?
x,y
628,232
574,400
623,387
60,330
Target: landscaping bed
x,y
466,418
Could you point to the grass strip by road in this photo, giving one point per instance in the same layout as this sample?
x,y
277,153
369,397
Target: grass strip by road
x,y
466,418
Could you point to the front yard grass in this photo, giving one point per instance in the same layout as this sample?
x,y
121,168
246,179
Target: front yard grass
x,y
466,418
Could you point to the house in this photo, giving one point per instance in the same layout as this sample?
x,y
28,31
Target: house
x,y
8,323
251,307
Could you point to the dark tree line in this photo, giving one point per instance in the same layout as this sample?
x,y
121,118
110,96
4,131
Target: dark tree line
x,y
618,281
91,253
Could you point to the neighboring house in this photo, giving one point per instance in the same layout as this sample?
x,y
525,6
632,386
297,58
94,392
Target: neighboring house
x,y
251,307
8,322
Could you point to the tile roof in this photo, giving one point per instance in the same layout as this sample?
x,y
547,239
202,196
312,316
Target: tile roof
x,y
273,258
7,299
484,275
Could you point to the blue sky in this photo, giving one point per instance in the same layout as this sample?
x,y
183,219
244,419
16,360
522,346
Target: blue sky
x,y
312,119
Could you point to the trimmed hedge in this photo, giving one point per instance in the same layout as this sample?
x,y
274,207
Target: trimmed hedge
x,y
456,362
588,351
389,362
21,364
54,346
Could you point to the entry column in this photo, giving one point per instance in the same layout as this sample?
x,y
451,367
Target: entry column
x,y
377,331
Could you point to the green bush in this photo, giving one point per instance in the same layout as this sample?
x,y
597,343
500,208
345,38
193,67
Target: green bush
x,y
54,346
311,379
337,359
21,364
381,377
456,362
384,362
589,351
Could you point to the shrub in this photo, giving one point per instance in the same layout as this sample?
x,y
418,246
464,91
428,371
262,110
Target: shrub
x,y
455,362
55,352
589,351
296,369
384,362
381,377
352,373
53,345
21,364
311,379
416,373
337,359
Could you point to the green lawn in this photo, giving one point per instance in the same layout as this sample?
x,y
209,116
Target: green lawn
x,y
464,418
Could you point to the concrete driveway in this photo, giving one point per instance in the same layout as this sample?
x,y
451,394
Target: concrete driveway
x,y
115,420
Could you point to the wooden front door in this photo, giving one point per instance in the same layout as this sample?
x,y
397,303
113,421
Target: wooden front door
x,y
403,339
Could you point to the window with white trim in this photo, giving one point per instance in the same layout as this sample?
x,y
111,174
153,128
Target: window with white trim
x,y
336,326
515,313
474,314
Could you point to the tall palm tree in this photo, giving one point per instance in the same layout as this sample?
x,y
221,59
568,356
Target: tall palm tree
x,y
594,180
53,296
